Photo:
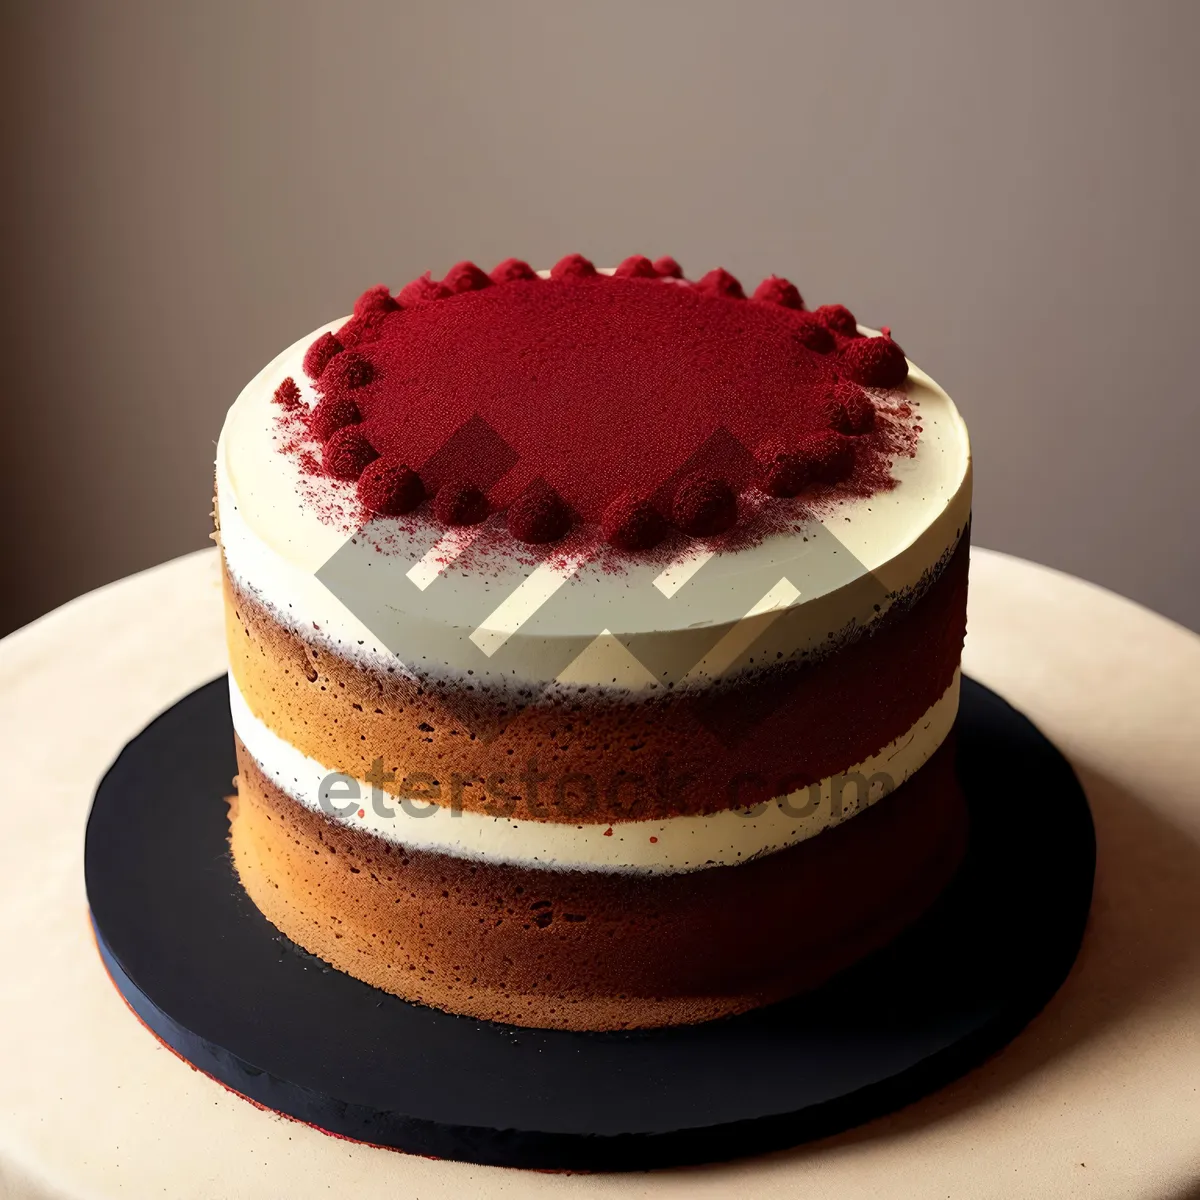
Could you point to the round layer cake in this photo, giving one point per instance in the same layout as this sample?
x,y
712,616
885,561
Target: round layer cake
x,y
594,642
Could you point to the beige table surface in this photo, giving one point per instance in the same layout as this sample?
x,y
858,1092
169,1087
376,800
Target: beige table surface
x,y
1099,1097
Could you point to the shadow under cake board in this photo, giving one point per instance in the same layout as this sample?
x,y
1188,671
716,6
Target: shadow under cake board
x,y
215,981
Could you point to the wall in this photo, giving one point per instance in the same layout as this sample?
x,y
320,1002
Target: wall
x,y
1012,187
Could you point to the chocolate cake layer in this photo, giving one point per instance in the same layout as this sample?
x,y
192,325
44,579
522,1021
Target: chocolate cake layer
x,y
596,950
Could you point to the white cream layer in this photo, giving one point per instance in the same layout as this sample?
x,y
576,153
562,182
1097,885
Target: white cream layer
x,y
275,541
676,844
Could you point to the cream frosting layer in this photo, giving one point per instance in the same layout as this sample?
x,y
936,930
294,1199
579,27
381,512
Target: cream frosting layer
x,y
677,844
706,616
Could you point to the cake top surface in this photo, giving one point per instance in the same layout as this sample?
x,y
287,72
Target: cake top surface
x,y
632,402
677,453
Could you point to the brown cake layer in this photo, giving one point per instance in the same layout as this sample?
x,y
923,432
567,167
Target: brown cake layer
x,y
593,759
596,950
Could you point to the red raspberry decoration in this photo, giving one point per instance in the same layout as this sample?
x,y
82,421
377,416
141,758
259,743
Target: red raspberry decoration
x,y
572,268
287,393
636,266
829,455
875,361
850,409
512,270
465,277
330,415
668,268
377,299
811,334
838,318
367,327
344,372
719,282
782,472
390,488
346,453
633,523
539,515
460,504
317,356
423,290
774,290
704,506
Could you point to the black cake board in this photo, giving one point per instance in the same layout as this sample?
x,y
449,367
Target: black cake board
x,y
216,982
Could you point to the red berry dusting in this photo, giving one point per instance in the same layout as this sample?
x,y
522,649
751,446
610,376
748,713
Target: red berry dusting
x,y
390,488
367,327
330,415
719,282
344,372
704,506
875,361
829,455
377,299
774,290
538,515
422,290
838,318
636,266
512,270
460,503
613,392
319,353
811,334
573,267
782,472
668,268
850,409
465,277
632,523
287,393
346,453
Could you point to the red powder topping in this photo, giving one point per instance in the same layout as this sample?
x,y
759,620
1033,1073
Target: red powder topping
x,y
829,456
812,335
668,268
704,506
330,415
460,504
636,266
539,515
558,404
287,393
719,282
344,372
367,327
875,361
319,354
377,299
511,270
465,277
782,472
633,523
850,409
346,453
574,266
774,290
422,290
390,488
838,318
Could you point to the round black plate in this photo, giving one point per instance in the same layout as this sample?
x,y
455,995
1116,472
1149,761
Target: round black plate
x,y
217,983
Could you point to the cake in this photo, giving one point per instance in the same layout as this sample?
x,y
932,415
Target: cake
x,y
594,642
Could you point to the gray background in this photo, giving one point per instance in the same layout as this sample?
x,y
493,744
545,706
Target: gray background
x,y
1011,186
